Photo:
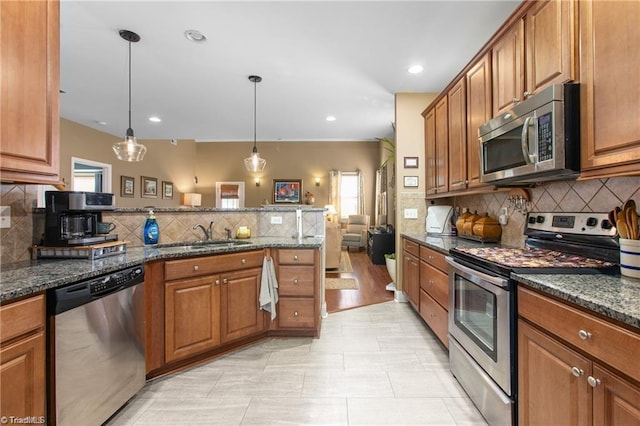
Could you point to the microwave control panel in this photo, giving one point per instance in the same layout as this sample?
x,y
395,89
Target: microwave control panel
x,y
545,137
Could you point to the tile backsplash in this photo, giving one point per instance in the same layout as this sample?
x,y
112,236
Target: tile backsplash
x,y
27,226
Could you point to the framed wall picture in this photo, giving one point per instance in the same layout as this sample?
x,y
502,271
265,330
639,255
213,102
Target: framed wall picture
x,y
127,186
167,190
149,187
287,191
410,162
410,181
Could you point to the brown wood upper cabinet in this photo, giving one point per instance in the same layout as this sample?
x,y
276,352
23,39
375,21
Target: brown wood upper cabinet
x,y
478,112
548,57
457,158
610,88
29,111
442,145
430,149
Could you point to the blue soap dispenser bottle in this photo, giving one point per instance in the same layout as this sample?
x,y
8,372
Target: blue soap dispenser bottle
x,y
151,232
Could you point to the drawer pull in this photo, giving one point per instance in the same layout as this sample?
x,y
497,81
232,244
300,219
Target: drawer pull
x,y
243,261
217,282
584,335
225,281
295,281
577,371
196,268
593,382
295,313
295,257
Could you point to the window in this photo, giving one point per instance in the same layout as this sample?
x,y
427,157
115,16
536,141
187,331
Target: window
x,y
349,194
230,195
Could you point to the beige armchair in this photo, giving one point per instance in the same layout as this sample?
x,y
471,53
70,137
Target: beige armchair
x,y
355,234
333,245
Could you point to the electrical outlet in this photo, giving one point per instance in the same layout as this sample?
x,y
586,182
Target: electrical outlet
x,y
5,217
410,213
276,220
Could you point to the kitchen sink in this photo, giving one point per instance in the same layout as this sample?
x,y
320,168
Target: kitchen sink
x,y
204,245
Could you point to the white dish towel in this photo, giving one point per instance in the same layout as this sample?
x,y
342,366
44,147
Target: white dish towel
x,y
268,288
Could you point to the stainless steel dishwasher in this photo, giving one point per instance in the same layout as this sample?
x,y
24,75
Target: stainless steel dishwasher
x,y
96,346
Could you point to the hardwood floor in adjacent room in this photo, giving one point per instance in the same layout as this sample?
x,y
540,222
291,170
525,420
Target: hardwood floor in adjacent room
x,y
372,280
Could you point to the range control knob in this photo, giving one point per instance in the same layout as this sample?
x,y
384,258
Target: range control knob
x,y
532,220
540,219
591,222
606,225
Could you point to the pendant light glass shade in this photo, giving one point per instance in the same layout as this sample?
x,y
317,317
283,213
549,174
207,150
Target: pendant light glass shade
x,y
129,149
254,163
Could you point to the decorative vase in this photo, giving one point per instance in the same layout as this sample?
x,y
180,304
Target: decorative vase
x,y
391,268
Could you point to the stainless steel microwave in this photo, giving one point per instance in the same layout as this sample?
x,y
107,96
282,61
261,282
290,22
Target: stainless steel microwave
x,y
538,140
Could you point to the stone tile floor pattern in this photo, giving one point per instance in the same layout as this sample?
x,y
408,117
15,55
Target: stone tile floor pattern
x,y
375,365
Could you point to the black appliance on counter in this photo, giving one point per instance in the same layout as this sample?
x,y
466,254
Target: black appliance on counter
x,y
483,306
71,218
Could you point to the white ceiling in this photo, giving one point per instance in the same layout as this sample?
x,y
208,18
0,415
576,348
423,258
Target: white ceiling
x,y
316,58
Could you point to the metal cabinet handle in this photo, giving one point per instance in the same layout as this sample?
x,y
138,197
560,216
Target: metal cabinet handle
x,y
295,281
243,261
593,382
584,335
577,371
430,282
295,257
225,281
217,282
515,100
295,313
196,268
527,94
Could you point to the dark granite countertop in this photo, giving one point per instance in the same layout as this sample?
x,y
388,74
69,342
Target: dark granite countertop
x,y
25,278
613,296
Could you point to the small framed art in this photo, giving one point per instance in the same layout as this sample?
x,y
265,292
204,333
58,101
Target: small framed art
x,y
149,187
410,181
287,191
410,162
167,190
127,186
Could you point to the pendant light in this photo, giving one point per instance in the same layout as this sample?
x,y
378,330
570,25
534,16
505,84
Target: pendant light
x,y
129,149
254,163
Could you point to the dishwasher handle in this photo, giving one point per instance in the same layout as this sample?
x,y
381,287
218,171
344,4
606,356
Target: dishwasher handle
x,y
71,296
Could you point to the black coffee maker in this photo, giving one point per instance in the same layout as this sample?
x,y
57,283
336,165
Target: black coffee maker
x,y
71,218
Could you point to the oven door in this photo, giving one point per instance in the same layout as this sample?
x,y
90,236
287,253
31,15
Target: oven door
x,y
480,320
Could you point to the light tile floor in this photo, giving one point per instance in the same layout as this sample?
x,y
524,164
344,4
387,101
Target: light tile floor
x,y
375,365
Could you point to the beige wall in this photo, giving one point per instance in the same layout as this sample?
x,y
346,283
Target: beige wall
x,y
163,161
222,161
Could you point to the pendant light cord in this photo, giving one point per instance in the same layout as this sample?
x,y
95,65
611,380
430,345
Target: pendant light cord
x,y
255,103
129,130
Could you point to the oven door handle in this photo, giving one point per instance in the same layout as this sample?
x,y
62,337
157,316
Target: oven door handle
x,y
497,281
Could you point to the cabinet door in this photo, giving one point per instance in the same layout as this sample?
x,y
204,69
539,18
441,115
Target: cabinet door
x,y
550,49
22,373
610,87
239,309
507,68
192,316
478,113
548,390
430,150
29,117
442,146
457,159
615,400
411,278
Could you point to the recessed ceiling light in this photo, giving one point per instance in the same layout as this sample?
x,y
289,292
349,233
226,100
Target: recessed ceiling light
x,y
155,119
331,118
415,69
195,35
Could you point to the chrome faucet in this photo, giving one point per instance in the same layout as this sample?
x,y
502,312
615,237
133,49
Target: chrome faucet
x,y
228,231
207,232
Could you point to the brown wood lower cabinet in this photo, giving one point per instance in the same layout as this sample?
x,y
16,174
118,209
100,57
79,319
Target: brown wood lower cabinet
x,y
22,358
192,316
563,383
435,316
240,313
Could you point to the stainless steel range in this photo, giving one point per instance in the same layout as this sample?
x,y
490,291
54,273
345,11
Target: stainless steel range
x,y
482,300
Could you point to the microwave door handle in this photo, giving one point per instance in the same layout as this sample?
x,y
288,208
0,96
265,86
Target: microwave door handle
x,y
524,140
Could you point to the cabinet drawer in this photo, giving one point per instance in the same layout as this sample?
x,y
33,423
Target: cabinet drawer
x,y
296,257
199,266
435,316
296,280
435,283
434,258
21,317
601,339
296,313
411,247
